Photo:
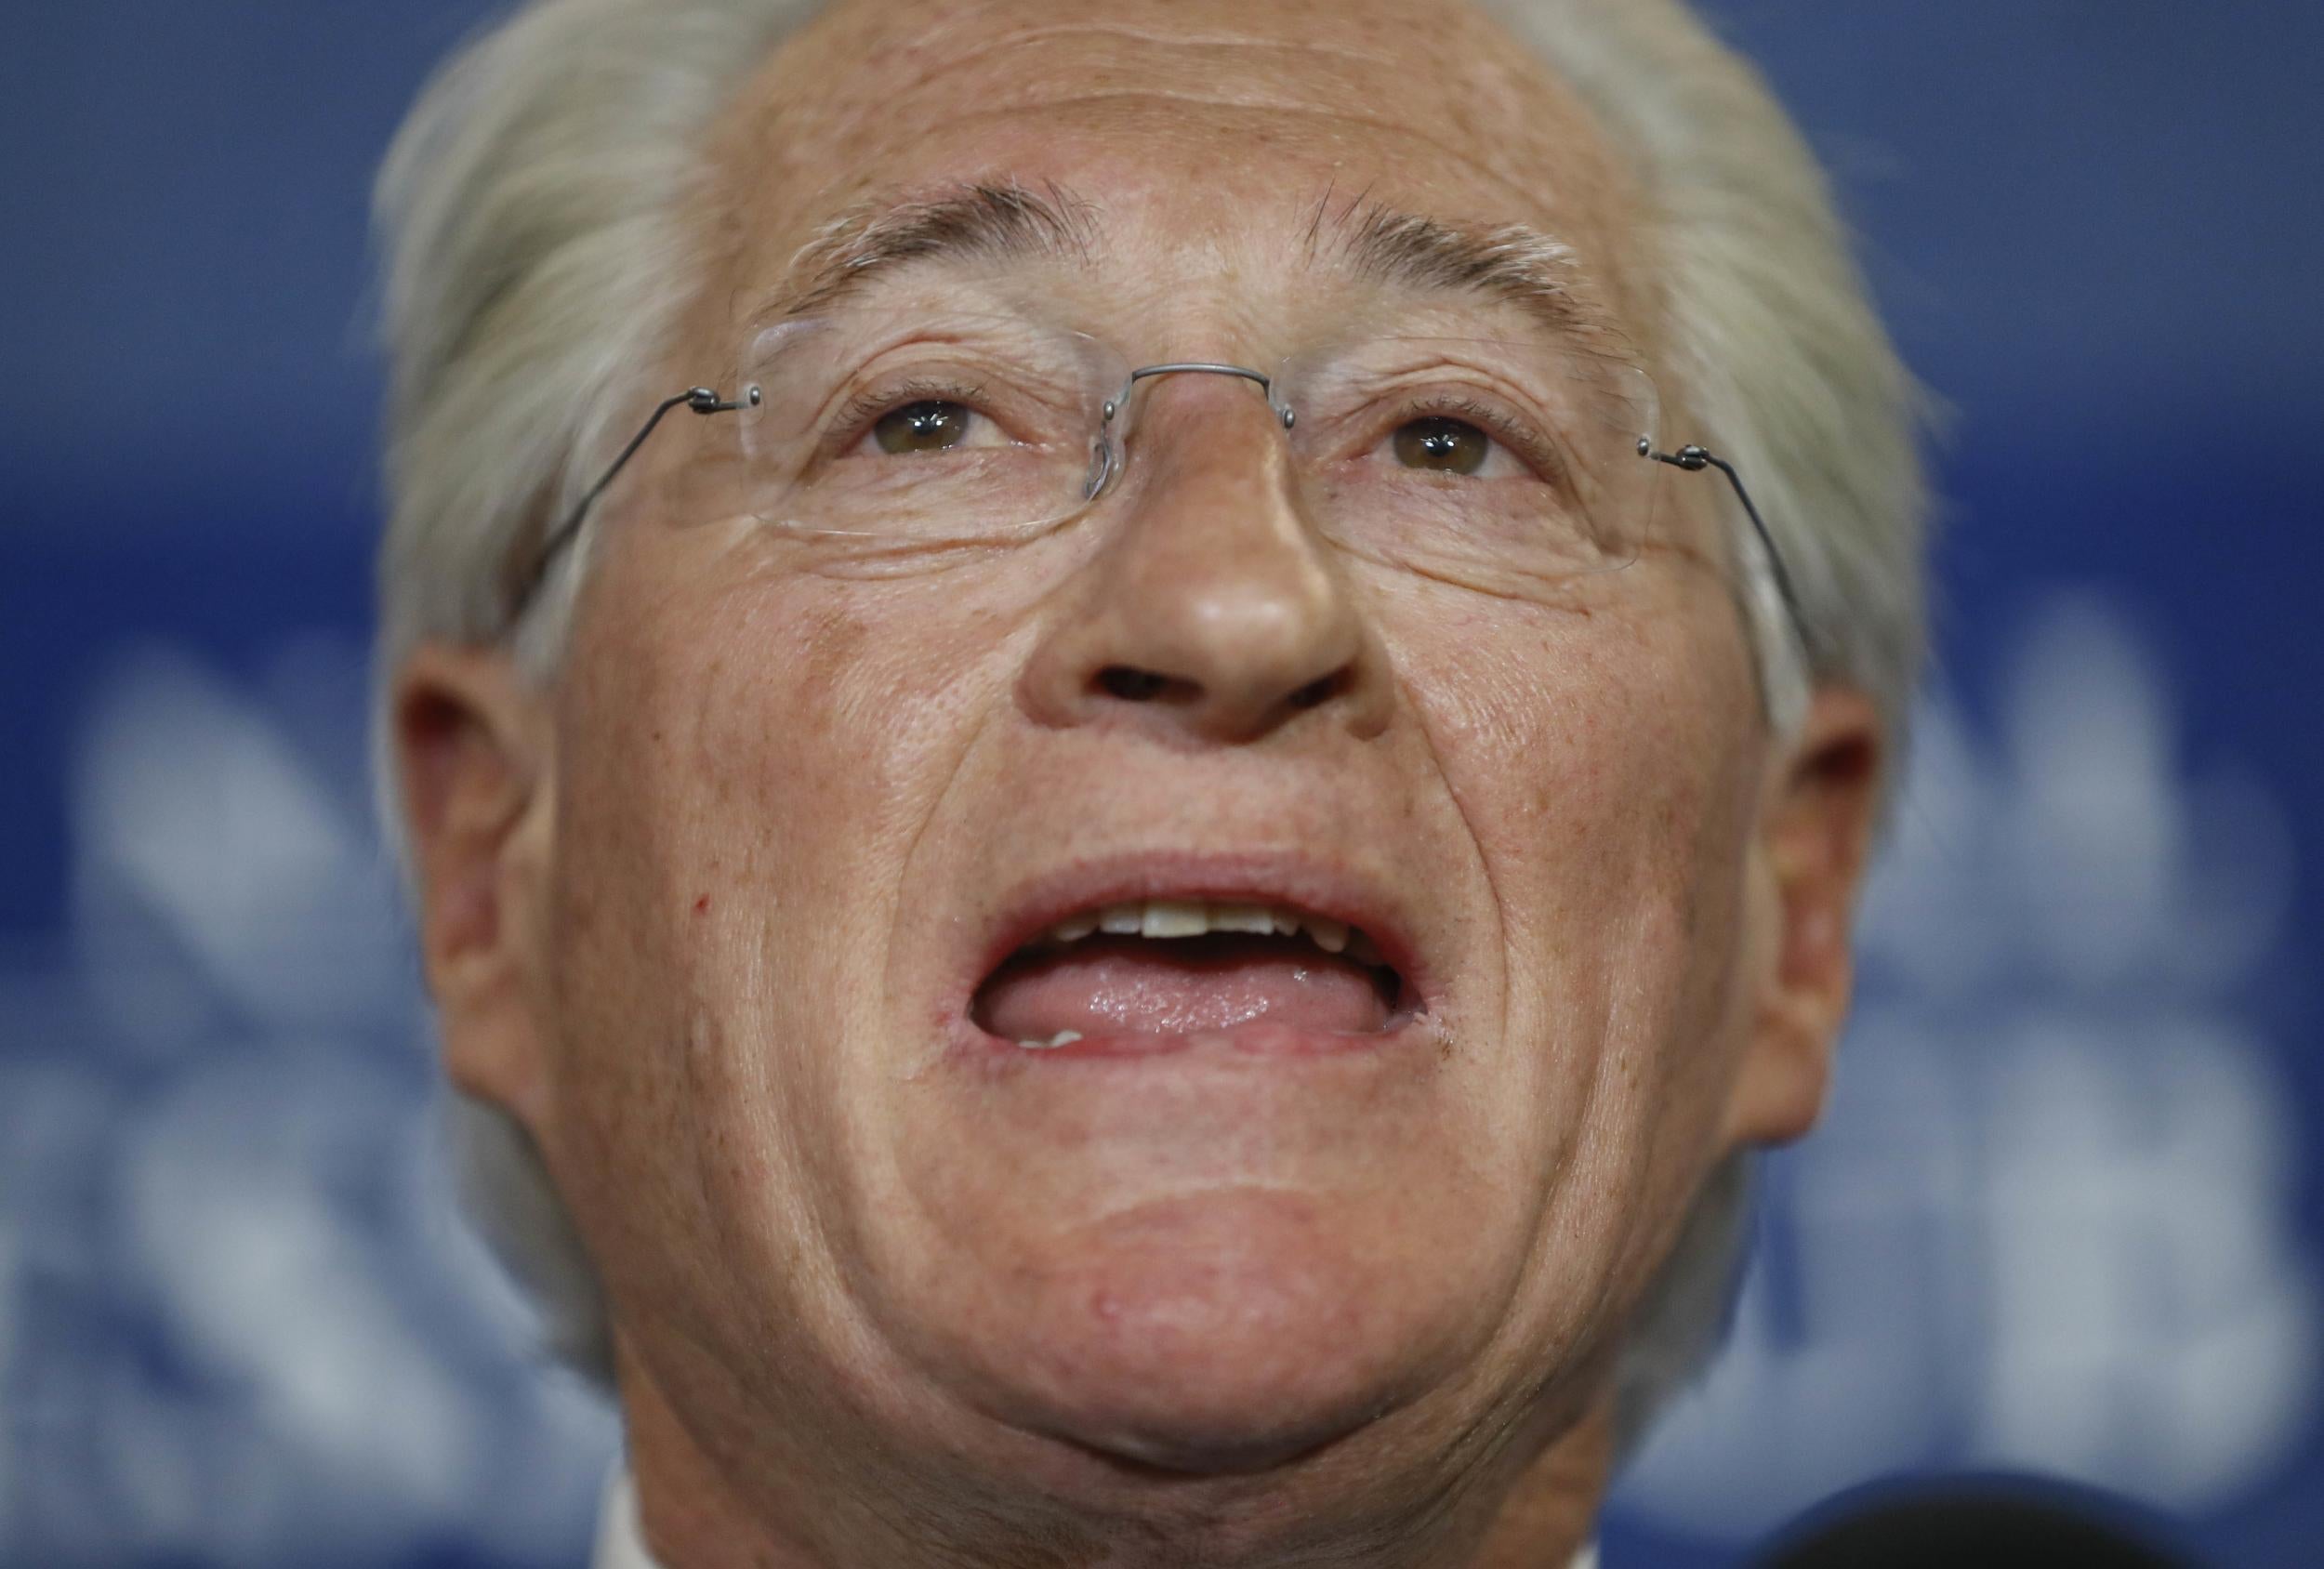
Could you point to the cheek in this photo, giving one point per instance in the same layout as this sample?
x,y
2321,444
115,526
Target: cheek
x,y
1604,764
1607,768
766,732
1600,760
698,762
741,772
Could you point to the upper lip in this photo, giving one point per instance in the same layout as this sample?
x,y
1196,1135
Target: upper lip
x,y
1284,879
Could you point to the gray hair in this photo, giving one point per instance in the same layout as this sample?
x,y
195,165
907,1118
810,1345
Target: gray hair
x,y
533,215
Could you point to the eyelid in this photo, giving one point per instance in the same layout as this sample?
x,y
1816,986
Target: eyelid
x,y
1514,433
867,405
1019,402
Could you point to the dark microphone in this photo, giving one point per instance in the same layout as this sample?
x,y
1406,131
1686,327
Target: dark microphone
x,y
1962,1525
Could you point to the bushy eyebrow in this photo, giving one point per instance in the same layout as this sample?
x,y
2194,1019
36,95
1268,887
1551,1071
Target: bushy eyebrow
x,y
1360,239
1509,264
973,221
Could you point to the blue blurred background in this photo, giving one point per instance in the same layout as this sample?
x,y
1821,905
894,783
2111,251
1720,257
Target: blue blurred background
x,y
2066,1215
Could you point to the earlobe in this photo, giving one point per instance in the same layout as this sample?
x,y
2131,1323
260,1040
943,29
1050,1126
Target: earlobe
x,y
1814,837
472,760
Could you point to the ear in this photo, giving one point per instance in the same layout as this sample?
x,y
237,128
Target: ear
x,y
1814,838
472,754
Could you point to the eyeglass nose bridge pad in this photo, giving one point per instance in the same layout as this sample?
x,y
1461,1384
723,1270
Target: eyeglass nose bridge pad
x,y
1106,456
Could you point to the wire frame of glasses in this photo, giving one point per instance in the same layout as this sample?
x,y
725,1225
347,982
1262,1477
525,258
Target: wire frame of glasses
x,y
1502,463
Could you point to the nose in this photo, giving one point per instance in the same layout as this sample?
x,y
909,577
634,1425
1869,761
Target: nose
x,y
1213,612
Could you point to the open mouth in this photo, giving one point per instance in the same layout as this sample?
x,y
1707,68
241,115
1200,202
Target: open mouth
x,y
1148,974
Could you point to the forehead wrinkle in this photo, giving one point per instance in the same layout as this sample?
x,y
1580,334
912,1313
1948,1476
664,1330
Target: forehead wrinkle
x,y
1529,269
986,46
1168,99
1238,42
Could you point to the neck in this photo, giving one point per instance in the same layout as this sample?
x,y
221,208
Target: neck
x,y
1551,1514
694,1515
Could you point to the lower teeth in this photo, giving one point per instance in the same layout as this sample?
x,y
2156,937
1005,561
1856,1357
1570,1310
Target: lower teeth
x,y
1062,1038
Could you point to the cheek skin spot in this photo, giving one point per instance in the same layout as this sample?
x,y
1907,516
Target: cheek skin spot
x,y
702,906
829,645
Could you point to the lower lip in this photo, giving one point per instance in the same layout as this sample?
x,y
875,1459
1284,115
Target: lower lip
x,y
1259,1039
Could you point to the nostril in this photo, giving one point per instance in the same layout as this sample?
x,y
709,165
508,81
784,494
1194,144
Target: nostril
x,y
1320,691
1130,684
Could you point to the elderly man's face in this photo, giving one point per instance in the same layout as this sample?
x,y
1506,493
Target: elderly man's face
x,y
771,922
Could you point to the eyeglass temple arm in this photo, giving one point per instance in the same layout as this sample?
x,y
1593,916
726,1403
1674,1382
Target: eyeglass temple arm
x,y
701,399
1693,459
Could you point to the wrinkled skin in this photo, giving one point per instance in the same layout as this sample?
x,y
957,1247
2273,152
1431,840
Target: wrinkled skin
x,y
697,914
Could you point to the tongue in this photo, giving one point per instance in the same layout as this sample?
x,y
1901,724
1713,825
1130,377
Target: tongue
x,y
1132,985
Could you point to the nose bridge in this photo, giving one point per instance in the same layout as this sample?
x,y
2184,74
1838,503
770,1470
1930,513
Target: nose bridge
x,y
1204,426
1212,607
1175,387
1145,374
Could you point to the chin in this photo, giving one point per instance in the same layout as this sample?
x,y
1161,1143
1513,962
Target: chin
x,y
1220,1332
1185,1166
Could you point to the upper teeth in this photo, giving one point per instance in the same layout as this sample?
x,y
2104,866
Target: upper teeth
x,y
1194,917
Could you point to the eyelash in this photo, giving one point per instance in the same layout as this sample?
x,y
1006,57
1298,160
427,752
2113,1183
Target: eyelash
x,y
865,409
1521,439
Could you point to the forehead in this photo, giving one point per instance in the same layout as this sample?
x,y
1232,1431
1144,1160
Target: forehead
x,y
1205,136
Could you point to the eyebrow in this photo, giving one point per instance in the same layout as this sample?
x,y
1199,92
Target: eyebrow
x,y
1514,265
1510,264
977,222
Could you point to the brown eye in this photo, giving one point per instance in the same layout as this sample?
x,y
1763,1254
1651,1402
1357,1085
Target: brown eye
x,y
931,425
1447,446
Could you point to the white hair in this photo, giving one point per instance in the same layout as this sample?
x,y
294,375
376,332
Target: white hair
x,y
534,212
